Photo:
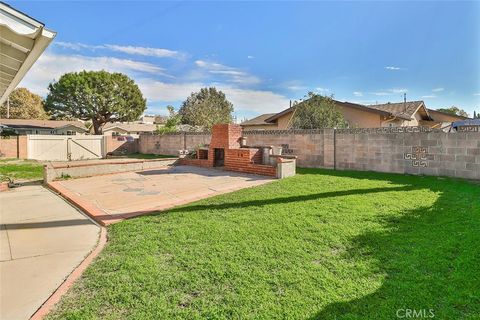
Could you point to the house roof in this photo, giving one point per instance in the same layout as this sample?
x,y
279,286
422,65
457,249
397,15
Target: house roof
x,y
432,111
404,110
339,103
44,124
22,41
131,127
260,120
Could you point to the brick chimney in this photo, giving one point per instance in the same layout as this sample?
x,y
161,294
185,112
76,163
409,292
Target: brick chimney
x,y
226,136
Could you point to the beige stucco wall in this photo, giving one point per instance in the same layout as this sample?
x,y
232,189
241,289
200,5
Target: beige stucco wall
x,y
360,119
110,131
284,121
63,131
437,116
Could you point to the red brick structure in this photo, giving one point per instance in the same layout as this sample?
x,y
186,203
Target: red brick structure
x,y
225,151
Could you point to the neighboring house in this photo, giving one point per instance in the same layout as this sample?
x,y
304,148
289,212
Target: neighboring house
x,y
441,116
356,115
50,127
128,129
146,119
408,113
259,123
152,119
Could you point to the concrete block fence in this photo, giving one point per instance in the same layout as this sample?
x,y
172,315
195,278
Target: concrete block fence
x,y
410,150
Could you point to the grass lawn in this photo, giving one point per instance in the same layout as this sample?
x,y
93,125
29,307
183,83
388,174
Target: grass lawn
x,y
320,245
20,169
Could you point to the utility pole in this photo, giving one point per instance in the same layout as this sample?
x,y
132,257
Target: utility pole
x,y
405,101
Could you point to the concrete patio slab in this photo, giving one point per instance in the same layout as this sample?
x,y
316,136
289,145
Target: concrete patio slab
x,y
43,239
112,198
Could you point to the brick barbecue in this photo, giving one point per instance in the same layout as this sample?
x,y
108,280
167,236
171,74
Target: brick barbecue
x,y
225,150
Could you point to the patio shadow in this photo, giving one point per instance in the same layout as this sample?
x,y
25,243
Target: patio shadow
x,y
280,200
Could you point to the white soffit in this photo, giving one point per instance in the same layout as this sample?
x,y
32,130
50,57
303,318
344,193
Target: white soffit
x,y
22,41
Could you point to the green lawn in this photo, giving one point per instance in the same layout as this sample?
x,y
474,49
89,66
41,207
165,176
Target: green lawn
x,y
20,169
320,245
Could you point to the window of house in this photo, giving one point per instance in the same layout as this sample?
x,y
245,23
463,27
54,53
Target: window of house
x,y
71,133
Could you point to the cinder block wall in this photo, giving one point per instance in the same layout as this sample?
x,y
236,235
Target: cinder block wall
x,y
171,143
409,150
307,145
13,147
113,145
399,150
429,153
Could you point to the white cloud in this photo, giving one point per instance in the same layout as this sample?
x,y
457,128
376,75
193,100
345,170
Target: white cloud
x,y
389,92
398,90
393,68
438,89
77,46
322,90
250,57
232,74
430,96
145,51
258,101
297,88
477,94
142,51
51,66
357,93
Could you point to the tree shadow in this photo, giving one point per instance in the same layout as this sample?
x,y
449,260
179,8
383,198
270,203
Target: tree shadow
x,y
429,259
285,200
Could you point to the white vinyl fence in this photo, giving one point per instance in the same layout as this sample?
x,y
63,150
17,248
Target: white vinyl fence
x,y
65,148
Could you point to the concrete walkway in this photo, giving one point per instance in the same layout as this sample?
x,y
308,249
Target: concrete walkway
x,y
42,240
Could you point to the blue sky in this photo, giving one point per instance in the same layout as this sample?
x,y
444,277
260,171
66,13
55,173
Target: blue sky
x,y
262,54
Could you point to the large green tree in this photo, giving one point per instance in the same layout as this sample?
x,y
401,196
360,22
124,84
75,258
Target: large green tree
x,y
455,111
98,96
23,104
205,108
316,112
172,121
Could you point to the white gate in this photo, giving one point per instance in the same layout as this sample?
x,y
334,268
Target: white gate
x,y
65,148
